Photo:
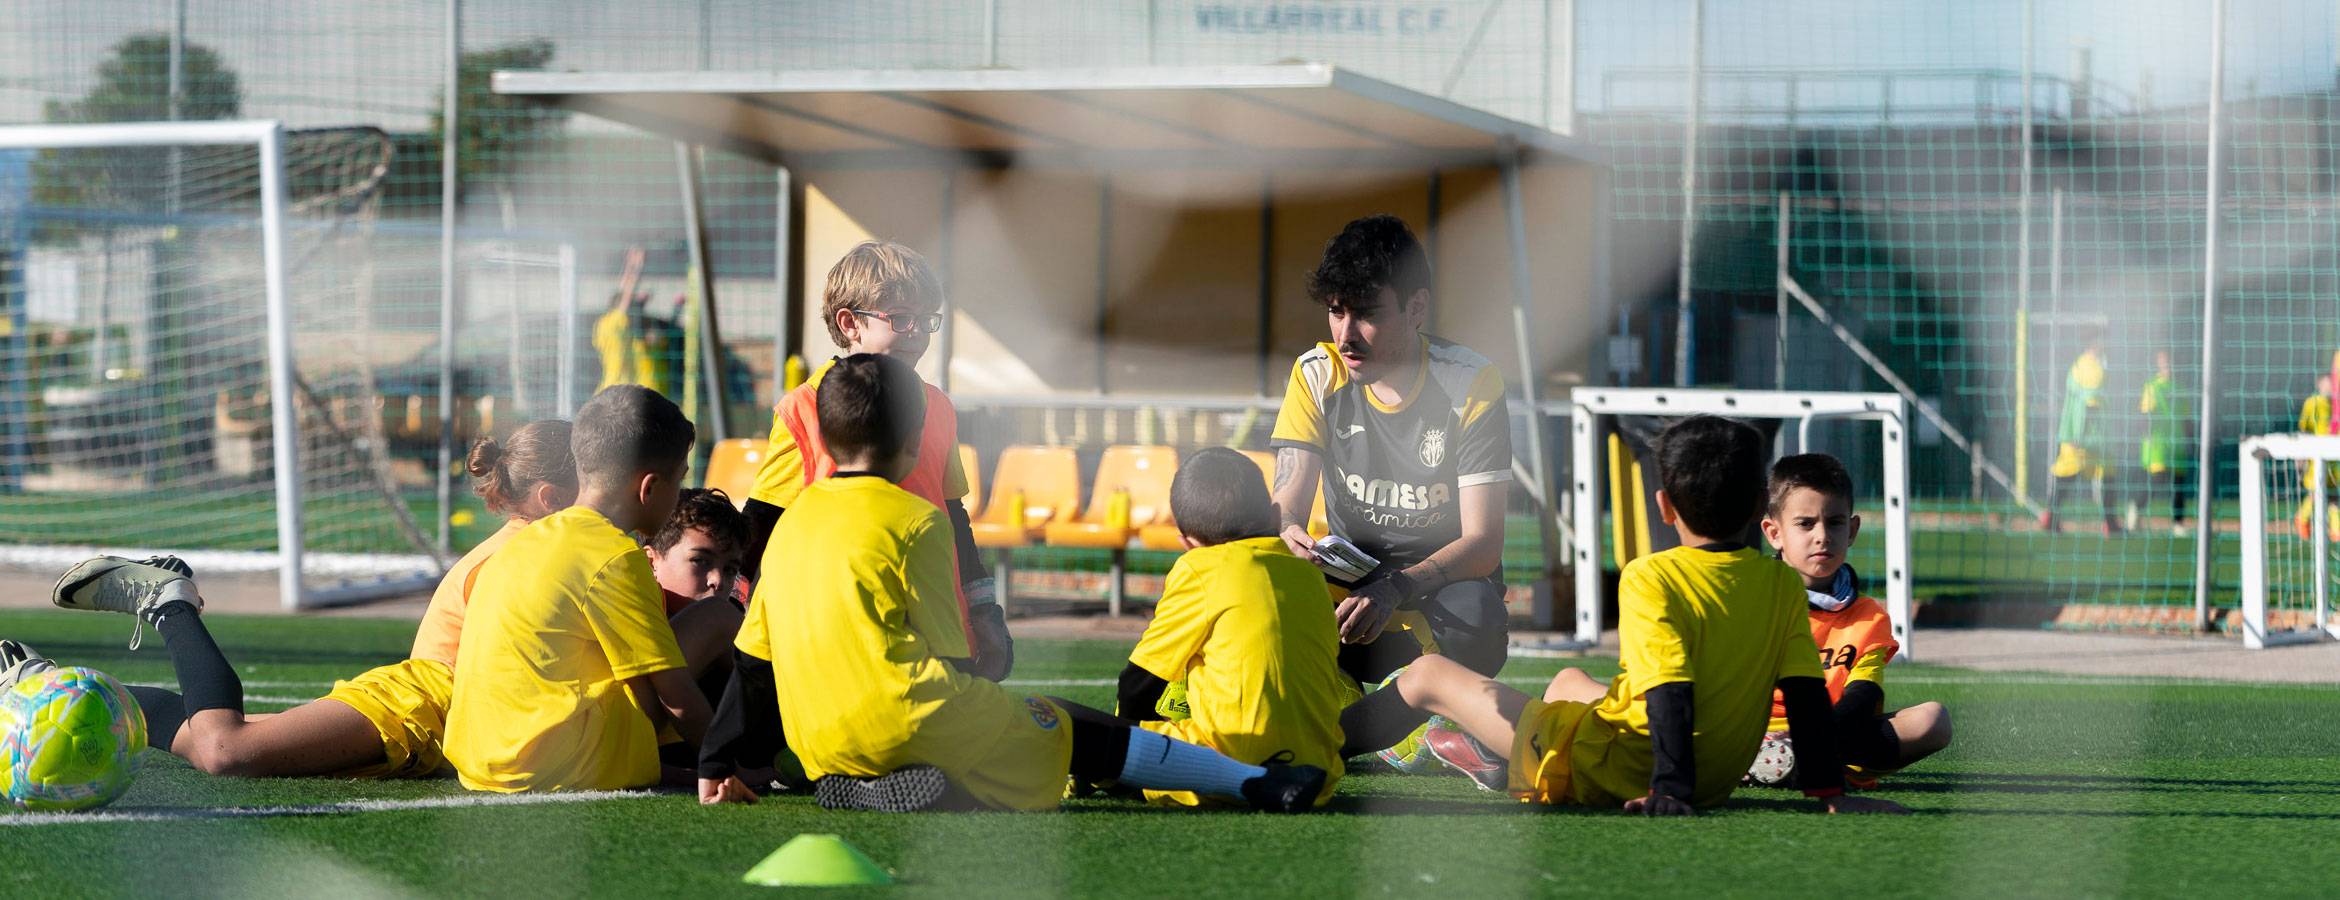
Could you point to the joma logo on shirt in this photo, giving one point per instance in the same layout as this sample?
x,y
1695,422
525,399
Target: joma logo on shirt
x,y
1841,657
1386,493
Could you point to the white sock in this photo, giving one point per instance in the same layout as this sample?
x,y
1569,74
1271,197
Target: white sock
x,y
1163,764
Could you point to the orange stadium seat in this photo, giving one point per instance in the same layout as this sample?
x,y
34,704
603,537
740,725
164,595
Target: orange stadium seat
x,y
732,467
1132,491
1030,487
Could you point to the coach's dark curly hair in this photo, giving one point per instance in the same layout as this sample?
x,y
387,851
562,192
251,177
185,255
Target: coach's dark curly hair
x,y
1369,254
708,510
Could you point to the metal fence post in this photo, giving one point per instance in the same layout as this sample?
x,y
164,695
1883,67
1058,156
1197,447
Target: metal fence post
x,y
2206,436
1684,333
450,130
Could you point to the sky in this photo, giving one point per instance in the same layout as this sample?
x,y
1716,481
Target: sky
x,y
316,62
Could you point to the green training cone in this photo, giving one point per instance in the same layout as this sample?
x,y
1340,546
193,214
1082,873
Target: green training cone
x,y
817,860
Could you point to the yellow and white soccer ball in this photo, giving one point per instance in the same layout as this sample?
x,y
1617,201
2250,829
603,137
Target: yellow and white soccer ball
x,y
69,740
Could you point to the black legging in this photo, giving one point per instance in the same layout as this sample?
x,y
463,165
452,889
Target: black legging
x,y
1100,741
1467,619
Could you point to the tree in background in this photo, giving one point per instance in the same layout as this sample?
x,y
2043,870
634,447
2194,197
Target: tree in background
x,y
495,129
133,85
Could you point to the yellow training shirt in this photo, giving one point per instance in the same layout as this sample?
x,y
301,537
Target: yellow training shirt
x,y
938,476
442,623
560,618
1246,625
857,625
1730,623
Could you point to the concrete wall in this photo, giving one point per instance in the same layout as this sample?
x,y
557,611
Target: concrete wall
x,y
1150,282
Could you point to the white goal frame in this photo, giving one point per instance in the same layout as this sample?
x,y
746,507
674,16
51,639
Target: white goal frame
x,y
2318,452
267,136
1890,411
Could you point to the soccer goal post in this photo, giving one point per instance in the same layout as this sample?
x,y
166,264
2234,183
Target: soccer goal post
x,y
1596,433
163,408
2290,488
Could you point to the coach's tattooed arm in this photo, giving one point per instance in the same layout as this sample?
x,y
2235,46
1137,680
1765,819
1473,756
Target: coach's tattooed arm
x,y
1297,473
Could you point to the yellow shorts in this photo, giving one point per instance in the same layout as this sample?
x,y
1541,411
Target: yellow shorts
x,y
407,704
2071,460
1026,768
1550,763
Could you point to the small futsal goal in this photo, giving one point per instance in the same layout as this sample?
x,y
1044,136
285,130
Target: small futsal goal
x,y
2290,522
1610,434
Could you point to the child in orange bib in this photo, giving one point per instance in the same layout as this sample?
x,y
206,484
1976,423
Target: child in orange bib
x,y
1810,521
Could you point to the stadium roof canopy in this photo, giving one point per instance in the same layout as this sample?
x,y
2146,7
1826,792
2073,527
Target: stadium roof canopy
x,y
1083,118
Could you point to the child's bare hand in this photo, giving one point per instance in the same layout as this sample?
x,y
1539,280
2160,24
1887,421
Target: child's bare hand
x,y
1848,804
1657,804
727,790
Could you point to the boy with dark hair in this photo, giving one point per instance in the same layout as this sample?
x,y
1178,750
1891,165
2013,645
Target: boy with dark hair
x,y
883,298
568,670
1407,436
1706,630
853,655
1809,519
1244,626
697,555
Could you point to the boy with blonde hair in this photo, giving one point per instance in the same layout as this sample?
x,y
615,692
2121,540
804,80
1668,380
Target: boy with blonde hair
x,y
882,298
1244,625
568,671
1705,632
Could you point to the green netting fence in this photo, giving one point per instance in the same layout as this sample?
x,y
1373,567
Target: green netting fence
x,y
1891,135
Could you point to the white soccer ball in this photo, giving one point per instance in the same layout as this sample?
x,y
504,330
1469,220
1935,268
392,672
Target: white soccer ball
x,y
1775,762
69,740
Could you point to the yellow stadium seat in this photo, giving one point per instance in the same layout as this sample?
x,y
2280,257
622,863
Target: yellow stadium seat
x,y
1132,491
733,465
973,467
1030,487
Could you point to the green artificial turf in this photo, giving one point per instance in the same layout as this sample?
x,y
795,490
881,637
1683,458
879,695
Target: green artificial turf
x,y
2056,786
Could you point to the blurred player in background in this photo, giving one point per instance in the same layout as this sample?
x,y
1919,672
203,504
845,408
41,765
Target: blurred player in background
x,y
2164,453
1810,520
2080,427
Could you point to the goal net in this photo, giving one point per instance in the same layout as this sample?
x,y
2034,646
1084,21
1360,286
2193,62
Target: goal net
x,y
141,407
1613,475
2291,538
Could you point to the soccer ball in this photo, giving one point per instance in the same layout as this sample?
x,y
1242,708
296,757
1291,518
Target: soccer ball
x,y
69,740
1775,762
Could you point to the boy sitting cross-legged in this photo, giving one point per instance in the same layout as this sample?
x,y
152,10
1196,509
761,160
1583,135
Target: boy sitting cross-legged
x,y
850,655
1810,520
883,298
1244,625
568,669
1706,630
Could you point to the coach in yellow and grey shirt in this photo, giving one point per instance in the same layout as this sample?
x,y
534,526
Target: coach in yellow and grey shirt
x,y
1409,438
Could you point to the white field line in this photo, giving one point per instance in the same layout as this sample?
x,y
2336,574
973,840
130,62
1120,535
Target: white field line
x,y
464,801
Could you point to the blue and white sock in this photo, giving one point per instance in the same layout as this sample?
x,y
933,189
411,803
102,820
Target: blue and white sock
x,y
1163,764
